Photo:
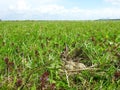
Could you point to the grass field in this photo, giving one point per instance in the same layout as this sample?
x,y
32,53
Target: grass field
x,y
30,55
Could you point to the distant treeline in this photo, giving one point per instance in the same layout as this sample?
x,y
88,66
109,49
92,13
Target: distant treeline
x,y
108,20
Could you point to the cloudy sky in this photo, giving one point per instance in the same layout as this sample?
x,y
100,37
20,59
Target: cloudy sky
x,y
59,9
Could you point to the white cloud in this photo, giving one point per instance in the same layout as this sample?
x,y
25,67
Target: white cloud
x,y
114,2
60,12
20,5
50,9
46,1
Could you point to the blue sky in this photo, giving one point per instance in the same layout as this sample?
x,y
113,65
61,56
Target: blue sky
x,y
59,9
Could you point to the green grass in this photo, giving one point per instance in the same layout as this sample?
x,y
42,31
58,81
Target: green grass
x,y
33,48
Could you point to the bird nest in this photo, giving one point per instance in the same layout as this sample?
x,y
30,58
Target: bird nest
x,y
76,60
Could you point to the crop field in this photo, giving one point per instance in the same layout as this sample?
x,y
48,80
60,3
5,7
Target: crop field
x,y
59,55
